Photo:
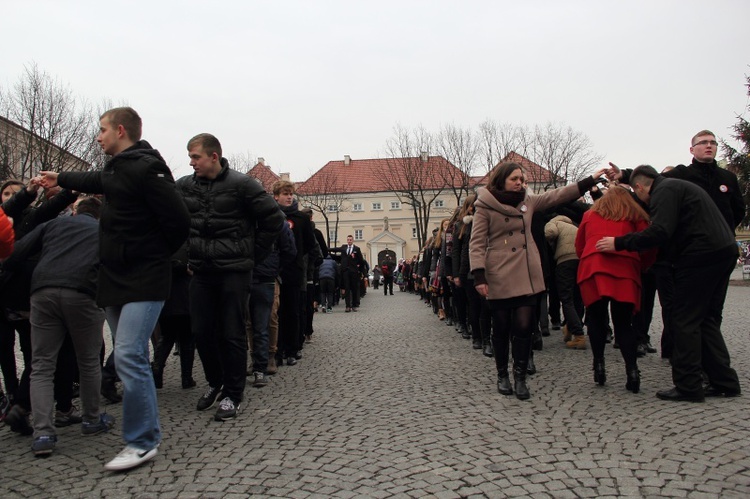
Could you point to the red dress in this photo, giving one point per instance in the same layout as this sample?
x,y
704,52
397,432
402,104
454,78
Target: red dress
x,y
615,275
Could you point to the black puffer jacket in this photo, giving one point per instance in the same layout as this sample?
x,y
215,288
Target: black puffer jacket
x,y
233,221
143,223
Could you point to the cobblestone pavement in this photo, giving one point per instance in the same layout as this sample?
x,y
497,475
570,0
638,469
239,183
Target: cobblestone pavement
x,y
389,401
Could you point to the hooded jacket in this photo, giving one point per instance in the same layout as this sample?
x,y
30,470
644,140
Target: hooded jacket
x,y
561,233
144,221
233,221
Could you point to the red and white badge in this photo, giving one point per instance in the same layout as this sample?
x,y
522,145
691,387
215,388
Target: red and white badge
x,y
723,188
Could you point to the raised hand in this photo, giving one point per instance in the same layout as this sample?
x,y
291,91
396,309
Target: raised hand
x,y
613,173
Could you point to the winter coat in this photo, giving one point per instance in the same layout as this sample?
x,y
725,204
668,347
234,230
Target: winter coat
x,y
460,252
616,275
502,251
283,253
233,221
328,269
721,185
144,221
561,234
685,223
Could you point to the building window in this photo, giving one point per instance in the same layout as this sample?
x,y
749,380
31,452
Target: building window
x,y
439,203
358,235
377,206
332,208
332,236
413,232
395,205
357,207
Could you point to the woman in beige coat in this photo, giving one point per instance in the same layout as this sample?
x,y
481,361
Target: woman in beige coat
x,y
506,265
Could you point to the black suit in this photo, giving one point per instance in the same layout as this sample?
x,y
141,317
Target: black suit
x,y
350,266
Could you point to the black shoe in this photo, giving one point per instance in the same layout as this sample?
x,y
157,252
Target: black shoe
x,y
675,395
158,377
556,326
188,383
488,351
713,391
18,420
477,345
600,374
545,332
466,334
522,391
298,355
448,321
291,361
109,392
649,348
503,384
634,379
531,367
640,350
209,398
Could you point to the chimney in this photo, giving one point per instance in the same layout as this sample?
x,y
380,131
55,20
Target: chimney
x,y
284,176
424,156
347,160
262,161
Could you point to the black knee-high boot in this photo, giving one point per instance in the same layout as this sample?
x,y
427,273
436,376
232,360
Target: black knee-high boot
x,y
501,345
187,356
521,349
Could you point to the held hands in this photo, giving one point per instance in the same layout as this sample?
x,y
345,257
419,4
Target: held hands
x,y
606,244
598,173
613,173
48,179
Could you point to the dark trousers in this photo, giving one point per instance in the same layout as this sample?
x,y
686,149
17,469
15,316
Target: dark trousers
x,y
479,314
622,319
570,296
387,284
665,288
218,304
697,313
642,319
8,359
460,305
261,303
289,319
327,289
350,284
176,329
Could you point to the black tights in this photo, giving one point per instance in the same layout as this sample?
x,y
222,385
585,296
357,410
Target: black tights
x,y
516,324
622,316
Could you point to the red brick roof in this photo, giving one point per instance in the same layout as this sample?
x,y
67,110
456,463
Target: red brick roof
x,y
367,175
264,175
536,174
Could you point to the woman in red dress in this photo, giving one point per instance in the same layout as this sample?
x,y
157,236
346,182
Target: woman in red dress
x,y
612,279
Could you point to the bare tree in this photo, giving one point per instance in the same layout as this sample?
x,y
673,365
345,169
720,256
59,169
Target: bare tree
x,y
566,153
496,141
242,162
327,193
459,147
410,177
60,130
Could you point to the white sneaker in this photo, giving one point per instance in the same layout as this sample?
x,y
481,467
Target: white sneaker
x,y
130,457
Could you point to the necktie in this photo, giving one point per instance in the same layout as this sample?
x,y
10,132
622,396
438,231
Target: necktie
x,y
350,251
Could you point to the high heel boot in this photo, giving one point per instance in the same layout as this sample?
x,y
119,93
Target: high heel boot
x,y
634,379
519,381
521,351
600,375
531,367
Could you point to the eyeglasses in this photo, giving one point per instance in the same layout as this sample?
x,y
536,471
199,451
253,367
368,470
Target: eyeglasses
x,y
706,142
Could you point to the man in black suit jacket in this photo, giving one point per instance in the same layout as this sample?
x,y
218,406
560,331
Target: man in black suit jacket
x,y
351,260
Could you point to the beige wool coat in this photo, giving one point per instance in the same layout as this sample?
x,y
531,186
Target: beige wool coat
x,y
502,244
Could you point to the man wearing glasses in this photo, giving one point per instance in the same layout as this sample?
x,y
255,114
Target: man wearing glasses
x,y
720,184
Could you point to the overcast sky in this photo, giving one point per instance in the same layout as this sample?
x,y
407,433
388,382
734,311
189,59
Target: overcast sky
x,y
302,83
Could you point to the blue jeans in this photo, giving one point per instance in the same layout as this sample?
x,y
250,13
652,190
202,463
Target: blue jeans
x,y
261,302
132,325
